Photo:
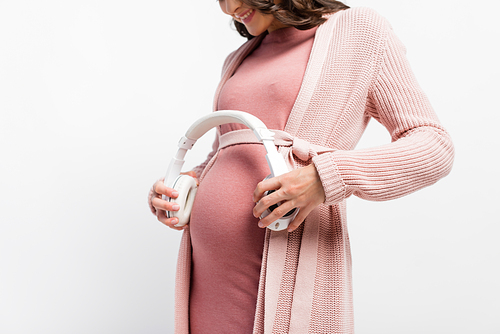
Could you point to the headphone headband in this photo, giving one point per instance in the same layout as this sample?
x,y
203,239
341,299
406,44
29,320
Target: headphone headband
x,y
204,124
201,126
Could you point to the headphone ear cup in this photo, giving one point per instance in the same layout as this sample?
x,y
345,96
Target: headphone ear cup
x,y
186,186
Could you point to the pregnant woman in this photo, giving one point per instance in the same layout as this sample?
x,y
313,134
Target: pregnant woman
x,y
319,71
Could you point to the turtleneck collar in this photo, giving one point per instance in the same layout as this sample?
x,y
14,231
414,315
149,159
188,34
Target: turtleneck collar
x,y
285,35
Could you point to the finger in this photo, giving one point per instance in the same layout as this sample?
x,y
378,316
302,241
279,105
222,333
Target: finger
x,y
300,218
276,214
162,189
161,204
170,222
266,185
265,202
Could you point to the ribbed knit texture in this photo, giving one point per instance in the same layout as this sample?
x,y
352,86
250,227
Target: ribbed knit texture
x,y
357,71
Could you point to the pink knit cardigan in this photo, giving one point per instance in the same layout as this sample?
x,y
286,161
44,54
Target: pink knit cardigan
x,y
357,70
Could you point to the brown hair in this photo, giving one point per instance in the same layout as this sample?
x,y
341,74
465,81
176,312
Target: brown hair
x,y
301,14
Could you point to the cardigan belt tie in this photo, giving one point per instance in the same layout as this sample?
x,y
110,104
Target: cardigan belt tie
x,y
288,144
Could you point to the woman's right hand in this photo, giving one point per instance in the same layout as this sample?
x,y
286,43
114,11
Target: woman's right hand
x,y
161,206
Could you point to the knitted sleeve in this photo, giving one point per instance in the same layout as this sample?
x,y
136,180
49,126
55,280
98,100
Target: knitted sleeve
x,y
421,151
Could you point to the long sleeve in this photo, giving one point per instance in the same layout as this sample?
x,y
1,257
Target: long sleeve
x,y
421,151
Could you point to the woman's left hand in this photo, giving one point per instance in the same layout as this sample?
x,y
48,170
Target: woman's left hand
x,y
300,188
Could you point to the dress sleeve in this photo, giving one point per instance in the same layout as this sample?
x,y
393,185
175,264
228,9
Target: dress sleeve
x,y
421,151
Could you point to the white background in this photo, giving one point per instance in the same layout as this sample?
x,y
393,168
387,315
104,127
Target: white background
x,y
93,98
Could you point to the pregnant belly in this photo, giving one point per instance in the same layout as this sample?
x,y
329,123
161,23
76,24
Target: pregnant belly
x,y
226,243
222,213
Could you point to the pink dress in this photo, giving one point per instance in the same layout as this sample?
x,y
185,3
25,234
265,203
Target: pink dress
x,y
226,242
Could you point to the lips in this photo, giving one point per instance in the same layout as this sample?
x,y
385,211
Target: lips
x,y
246,16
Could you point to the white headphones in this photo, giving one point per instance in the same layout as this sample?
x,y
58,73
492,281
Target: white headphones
x,y
186,185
